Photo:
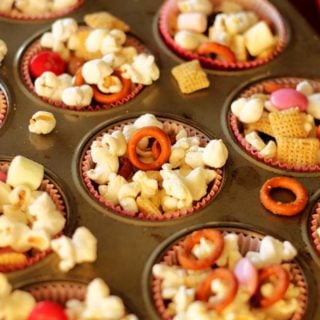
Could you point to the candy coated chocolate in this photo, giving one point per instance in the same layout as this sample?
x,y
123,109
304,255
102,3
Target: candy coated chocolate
x,y
46,61
47,310
287,98
247,275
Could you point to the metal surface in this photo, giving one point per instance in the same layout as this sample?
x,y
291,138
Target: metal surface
x,y
125,246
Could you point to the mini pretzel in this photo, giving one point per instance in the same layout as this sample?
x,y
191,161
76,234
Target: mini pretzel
x,y
109,97
157,134
277,207
218,49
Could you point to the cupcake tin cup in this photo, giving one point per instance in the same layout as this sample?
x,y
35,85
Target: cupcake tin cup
x,y
125,246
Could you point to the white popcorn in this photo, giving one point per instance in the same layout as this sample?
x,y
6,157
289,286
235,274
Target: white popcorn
x,y
110,192
110,84
32,6
204,6
78,97
239,22
183,298
189,40
47,40
4,194
3,50
230,254
6,5
15,214
215,154
101,173
148,186
198,310
62,29
17,305
282,309
115,143
95,70
62,4
259,38
314,105
142,70
127,195
81,248
48,218
305,88
194,157
116,59
255,141
42,122
5,287
46,84
177,157
113,41
248,110
95,38
38,239
147,120
218,32
272,251
203,249
269,151
172,276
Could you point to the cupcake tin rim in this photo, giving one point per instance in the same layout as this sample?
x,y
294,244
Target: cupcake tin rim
x,y
123,248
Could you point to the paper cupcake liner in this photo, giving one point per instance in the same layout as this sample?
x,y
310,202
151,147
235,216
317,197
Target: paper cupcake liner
x,y
263,8
169,126
3,108
59,292
16,15
35,48
35,256
238,134
246,243
314,225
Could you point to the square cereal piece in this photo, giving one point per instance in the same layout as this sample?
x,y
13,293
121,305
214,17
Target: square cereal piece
x,y
190,76
288,123
298,152
105,20
262,125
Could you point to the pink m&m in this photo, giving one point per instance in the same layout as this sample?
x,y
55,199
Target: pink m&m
x,y
288,98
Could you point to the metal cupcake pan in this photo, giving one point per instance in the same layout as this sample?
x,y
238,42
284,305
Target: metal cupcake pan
x,y
125,247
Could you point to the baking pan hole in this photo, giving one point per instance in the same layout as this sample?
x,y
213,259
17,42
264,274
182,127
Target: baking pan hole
x,y
167,26
167,255
50,186
33,47
90,187
16,15
297,155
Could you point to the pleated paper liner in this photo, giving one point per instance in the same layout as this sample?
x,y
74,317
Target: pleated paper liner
x,y
34,256
314,224
247,242
170,126
237,130
264,9
19,16
3,108
35,48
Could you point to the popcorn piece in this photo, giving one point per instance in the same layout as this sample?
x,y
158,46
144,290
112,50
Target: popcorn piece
x,y
62,29
46,84
6,5
218,32
230,254
94,71
95,38
127,195
81,248
5,287
111,191
269,151
239,22
259,38
113,41
142,70
183,298
148,186
190,76
23,171
48,218
215,154
305,88
147,120
189,40
255,141
42,122
115,143
248,110
3,50
203,249
314,105
203,6
272,251
110,84
116,59
4,194
78,97
32,6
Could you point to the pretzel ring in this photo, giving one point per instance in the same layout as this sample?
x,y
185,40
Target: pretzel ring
x,y
281,208
218,49
157,134
102,97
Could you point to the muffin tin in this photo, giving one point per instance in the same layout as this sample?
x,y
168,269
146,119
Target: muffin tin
x,y
126,245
